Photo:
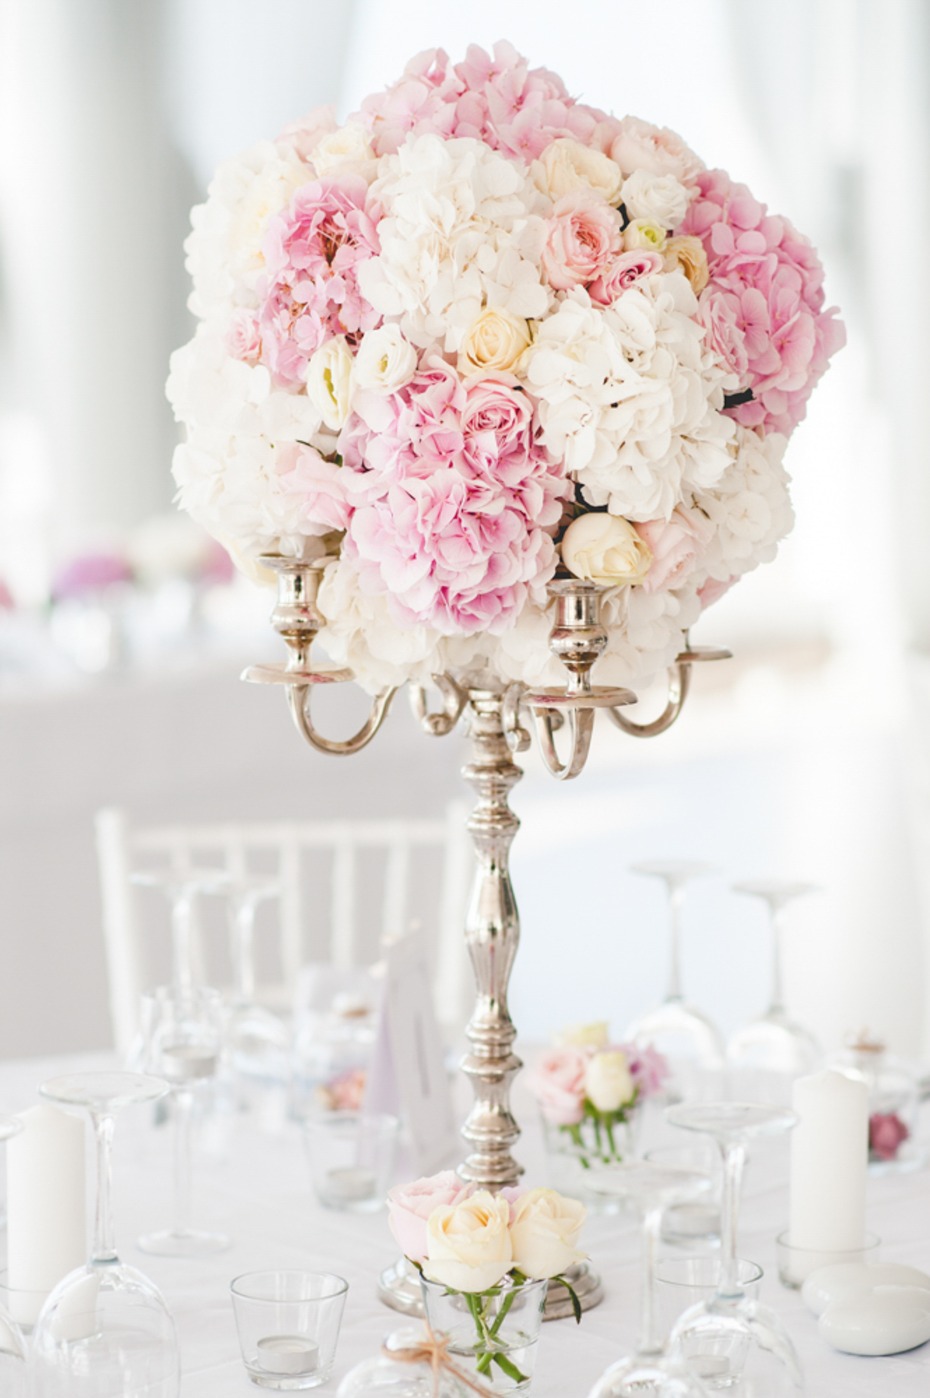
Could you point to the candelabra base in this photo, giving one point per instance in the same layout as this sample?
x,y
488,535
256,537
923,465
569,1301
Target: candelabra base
x,y
399,1288
586,1285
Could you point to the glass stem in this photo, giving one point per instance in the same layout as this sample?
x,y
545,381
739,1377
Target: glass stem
x,y
245,969
183,1114
182,925
777,1006
734,1158
104,1246
675,894
650,1340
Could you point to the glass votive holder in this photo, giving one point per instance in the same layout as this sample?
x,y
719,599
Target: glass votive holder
x,y
351,1157
685,1281
24,1306
288,1324
693,1221
795,1264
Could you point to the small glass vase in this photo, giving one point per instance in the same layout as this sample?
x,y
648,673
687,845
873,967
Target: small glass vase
x,y
573,1152
493,1334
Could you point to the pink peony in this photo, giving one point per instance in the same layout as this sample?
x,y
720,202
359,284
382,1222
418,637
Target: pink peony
x,y
675,545
318,487
456,500
558,1083
582,237
887,1134
769,279
312,252
624,271
409,1207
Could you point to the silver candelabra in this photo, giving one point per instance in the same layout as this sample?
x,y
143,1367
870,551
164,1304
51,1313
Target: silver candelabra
x,y
499,719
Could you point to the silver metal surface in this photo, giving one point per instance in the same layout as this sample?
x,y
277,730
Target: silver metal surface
x,y
399,1288
679,682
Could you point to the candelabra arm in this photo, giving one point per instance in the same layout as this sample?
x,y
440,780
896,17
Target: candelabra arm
x,y
679,684
454,700
298,701
580,723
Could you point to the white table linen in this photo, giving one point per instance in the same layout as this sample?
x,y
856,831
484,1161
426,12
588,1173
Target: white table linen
x,y
256,1186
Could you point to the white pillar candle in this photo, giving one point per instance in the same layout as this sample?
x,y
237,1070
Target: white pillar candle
x,y
46,1206
829,1159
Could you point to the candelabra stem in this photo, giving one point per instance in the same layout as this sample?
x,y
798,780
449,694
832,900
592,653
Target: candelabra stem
x,y
492,933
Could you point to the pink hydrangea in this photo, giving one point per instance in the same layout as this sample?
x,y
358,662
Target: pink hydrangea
x,y
457,501
313,250
765,291
496,98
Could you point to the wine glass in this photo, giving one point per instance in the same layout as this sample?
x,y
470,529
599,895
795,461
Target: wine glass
x,y
684,1035
105,1328
12,1346
653,1369
257,1039
182,891
185,1040
774,1043
731,1340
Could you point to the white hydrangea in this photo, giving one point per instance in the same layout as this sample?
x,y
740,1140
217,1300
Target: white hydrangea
x,y
749,506
224,247
459,232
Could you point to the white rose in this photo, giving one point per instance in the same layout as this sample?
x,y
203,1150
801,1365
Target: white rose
x,y
659,199
609,1083
348,145
592,1035
385,360
329,381
544,1232
495,341
468,1244
605,548
566,165
644,233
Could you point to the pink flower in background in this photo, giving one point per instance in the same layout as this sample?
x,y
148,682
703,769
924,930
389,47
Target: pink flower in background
x,y
624,271
89,573
409,1207
582,237
7,600
318,487
887,1134
675,545
766,289
648,1067
345,1093
312,254
558,1083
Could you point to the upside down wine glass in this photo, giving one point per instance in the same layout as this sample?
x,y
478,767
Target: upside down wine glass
x,y
182,891
105,1329
732,1341
256,1038
653,1369
775,1043
682,1033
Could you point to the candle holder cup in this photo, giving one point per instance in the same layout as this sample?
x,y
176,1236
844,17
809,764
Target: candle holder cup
x,y
288,1325
795,1264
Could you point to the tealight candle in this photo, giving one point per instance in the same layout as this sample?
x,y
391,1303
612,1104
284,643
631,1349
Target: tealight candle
x,y
350,1183
288,1354
185,1062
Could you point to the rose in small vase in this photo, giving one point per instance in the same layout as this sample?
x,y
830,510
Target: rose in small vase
x,y
485,1261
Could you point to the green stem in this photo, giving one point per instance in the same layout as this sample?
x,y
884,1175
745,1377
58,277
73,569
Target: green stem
x,y
575,1133
613,1144
502,1313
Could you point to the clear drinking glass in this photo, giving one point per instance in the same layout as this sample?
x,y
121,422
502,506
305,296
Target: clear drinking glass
x,y
257,1040
493,1335
105,1329
13,1376
653,1369
184,1047
351,1158
686,1037
288,1324
182,891
735,1342
774,1042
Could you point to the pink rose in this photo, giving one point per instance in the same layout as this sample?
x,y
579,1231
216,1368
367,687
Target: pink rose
x,y
887,1133
243,338
558,1083
582,236
317,486
675,545
345,1093
713,589
648,1067
410,1205
624,272
638,145
721,314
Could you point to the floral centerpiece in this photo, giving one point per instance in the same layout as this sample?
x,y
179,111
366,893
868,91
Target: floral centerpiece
x,y
485,1261
482,335
589,1093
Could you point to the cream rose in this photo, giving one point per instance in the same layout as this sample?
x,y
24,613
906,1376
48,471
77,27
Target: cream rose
x,y
385,360
593,1035
349,144
659,198
566,165
641,233
605,548
687,254
468,1244
609,1083
329,381
544,1232
495,341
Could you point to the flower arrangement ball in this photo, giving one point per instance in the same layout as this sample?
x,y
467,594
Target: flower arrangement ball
x,y
482,334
